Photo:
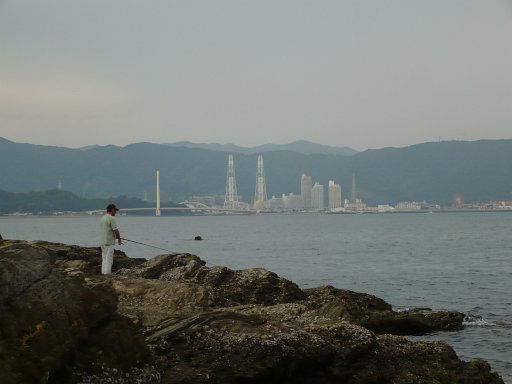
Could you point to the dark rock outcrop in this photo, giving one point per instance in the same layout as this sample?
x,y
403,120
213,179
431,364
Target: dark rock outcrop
x,y
375,314
53,321
173,319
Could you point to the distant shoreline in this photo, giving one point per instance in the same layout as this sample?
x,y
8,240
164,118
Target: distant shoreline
x,y
423,211
83,214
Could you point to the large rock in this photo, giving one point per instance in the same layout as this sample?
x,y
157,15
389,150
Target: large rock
x,y
182,285
175,320
375,314
52,322
287,343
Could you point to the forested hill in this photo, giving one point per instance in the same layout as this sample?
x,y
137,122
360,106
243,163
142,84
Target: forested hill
x,y
480,170
54,201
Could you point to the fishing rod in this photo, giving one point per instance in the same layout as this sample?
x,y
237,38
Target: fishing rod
x,y
147,245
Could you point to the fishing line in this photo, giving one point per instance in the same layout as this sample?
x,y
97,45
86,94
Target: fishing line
x,y
147,245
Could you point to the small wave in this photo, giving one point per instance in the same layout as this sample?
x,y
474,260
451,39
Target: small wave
x,y
417,309
476,321
504,323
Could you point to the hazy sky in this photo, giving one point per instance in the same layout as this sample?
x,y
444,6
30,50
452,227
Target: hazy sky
x,y
359,73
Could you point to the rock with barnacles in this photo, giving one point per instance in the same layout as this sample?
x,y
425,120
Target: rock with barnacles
x,y
173,319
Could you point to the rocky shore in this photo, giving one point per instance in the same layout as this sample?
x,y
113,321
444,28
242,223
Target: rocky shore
x,y
173,319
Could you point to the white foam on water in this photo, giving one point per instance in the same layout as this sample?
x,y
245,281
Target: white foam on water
x,y
476,321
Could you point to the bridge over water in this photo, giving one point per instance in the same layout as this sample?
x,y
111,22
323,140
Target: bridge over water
x,y
234,207
188,207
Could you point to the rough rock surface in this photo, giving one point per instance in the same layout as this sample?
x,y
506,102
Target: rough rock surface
x,y
172,319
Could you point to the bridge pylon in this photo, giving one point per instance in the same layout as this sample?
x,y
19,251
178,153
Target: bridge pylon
x,y
158,212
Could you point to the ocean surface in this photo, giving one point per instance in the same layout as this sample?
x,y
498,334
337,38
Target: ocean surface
x,y
442,261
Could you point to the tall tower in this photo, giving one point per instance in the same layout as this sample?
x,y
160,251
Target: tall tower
x,y
231,198
260,193
334,195
353,196
158,212
305,190
317,197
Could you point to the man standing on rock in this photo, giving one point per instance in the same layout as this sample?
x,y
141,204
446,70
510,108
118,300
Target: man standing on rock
x,y
109,234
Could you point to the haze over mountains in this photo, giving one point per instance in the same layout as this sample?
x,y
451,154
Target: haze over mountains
x,y
300,146
434,172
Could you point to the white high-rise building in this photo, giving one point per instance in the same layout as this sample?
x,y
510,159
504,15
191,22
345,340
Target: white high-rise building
x,y
334,195
305,191
292,202
317,197
275,203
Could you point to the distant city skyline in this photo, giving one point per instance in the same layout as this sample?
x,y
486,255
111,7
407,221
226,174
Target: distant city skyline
x,y
359,74
312,198
432,172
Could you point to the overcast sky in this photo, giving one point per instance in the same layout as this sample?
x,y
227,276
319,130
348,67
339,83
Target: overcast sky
x,y
359,73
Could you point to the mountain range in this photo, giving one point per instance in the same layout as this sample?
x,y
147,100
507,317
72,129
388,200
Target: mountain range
x,y
300,146
434,172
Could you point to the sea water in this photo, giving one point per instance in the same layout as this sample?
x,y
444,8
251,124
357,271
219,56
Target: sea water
x,y
442,261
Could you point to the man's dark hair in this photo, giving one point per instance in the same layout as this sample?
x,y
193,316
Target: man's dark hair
x,y
111,207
